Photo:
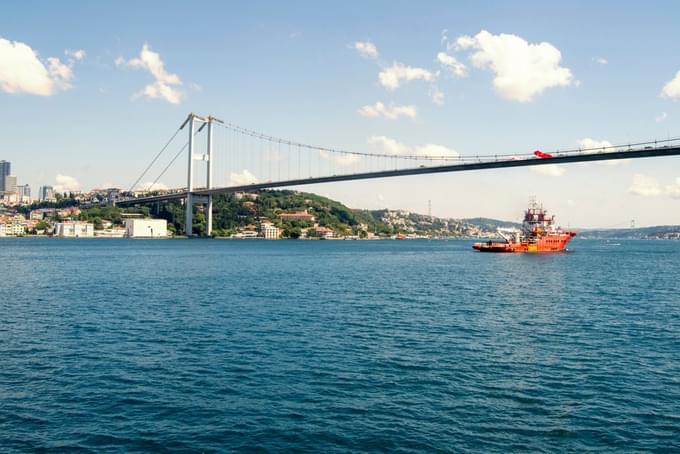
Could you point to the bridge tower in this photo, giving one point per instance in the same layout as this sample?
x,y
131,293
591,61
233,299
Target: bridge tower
x,y
208,157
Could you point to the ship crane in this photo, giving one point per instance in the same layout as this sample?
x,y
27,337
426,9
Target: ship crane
x,y
510,234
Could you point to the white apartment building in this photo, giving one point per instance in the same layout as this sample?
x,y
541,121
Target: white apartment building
x,y
12,228
271,232
146,228
72,229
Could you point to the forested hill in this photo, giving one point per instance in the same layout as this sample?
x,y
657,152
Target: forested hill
x,y
318,215
296,213
659,232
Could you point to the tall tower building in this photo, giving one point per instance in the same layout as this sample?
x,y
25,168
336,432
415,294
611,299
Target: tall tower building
x,y
24,190
46,193
4,173
11,184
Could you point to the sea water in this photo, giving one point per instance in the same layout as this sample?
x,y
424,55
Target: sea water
x,y
333,346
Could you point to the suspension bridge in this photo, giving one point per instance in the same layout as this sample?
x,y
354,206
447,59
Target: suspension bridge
x,y
253,161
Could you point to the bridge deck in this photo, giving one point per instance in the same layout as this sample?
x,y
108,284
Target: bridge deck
x,y
460,167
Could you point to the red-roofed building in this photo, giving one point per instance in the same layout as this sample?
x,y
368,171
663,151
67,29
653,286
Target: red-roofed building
x,y
297,216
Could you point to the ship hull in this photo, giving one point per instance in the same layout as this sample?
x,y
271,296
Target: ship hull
x,y
547,243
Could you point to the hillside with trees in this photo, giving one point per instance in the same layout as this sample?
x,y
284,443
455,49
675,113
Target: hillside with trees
x,y
234,213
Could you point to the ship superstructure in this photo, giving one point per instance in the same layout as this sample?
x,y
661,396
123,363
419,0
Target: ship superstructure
x,y
538,234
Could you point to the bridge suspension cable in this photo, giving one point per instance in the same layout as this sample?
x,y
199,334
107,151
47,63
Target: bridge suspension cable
x,y
252,157
617,147
292,143
172,161
420,157
153,161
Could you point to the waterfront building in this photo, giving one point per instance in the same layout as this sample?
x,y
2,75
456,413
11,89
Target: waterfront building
x,y
146,228
324,232
271,232
114,232
245,234
74,229
12,228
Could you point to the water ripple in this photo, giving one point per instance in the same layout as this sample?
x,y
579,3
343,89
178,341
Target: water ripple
x,y
208,346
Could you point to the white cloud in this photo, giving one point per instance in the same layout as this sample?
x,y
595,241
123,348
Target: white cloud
x,y
672,87
22,71
242,178
392,76
388,145
661,117
341,159
392,146
673,190
522,70
66,183
589,143
551,170
645,185
454,66
390,112
437,95
465,42
601,145
164,84
431,149
600,60
366,49
75,54
61,73
151,186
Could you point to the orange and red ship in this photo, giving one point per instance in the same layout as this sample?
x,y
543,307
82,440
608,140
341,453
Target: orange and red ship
x,y
538,234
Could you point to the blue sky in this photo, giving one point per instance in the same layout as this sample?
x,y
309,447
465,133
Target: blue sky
x,y
294,70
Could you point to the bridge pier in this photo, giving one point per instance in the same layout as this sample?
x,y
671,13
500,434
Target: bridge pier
x,y
208,157
209,180
189,205
189,216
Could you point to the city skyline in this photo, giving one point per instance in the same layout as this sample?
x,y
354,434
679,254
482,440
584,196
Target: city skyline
x,y
91,107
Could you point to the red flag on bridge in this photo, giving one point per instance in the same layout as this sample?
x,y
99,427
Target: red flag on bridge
x,y
540,154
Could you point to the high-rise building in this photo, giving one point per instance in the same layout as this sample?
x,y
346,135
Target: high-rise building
x,y
10,184
46,193
5,167
24,190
